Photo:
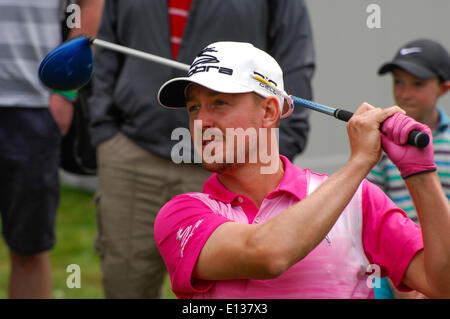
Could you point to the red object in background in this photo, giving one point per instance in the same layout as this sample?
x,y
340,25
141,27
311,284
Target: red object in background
x,y
178,14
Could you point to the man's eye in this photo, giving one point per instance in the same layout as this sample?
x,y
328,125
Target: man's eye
x,y
220,102
192,108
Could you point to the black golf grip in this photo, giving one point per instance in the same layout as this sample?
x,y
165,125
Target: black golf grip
x,y
416,138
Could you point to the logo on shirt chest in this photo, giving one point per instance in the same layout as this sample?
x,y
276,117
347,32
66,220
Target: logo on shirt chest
x,y
183,235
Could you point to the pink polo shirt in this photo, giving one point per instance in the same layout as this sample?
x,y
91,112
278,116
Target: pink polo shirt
x,y
370,231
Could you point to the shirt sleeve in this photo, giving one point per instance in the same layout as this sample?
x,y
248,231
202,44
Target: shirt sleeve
x,y
390,238
181,229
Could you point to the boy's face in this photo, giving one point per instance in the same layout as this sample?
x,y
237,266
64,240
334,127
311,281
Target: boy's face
x,y
418,97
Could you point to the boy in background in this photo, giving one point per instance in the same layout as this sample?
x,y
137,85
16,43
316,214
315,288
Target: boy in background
x,y
421,75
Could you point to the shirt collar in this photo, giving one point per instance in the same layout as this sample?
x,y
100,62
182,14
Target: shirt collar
x,y
293,182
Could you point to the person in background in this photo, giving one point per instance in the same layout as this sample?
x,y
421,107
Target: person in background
x,y
32,121
421,76
133,134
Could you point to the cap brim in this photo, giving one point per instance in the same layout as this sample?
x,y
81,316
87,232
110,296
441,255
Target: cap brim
x,y
172,93
413,68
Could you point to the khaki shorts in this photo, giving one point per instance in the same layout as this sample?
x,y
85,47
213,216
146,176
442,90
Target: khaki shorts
x,y
133,186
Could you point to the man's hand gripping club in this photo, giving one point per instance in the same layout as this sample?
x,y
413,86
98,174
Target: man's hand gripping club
x,y
409,160
366,145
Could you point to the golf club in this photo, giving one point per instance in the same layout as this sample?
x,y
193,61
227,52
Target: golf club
x,y
70,66
415,137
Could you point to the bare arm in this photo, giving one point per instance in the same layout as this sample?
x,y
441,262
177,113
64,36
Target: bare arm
x,y
429,270
414,294
61,108
266,251
91,13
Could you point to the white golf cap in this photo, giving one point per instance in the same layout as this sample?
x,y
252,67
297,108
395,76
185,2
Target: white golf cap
x,y
230,67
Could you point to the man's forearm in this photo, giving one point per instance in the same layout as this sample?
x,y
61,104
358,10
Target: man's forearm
x,y
433,210
91,13
301,227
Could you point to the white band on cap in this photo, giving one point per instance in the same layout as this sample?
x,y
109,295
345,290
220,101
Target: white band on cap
x,y
283,94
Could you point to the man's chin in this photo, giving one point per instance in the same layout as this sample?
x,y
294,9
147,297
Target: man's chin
x,y
218,167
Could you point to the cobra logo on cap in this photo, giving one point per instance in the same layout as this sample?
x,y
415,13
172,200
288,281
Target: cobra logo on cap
x,y
204,58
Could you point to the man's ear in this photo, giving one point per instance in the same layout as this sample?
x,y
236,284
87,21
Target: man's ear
x,y
271,111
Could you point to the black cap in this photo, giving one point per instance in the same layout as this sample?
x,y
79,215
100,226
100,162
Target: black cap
x,y
422,58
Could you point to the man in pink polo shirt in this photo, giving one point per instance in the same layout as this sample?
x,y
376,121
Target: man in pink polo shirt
x,y
264,228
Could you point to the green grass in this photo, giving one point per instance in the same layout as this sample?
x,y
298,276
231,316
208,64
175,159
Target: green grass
x,y
76,230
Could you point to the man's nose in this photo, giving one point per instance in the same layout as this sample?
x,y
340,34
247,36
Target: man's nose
x,y
206,116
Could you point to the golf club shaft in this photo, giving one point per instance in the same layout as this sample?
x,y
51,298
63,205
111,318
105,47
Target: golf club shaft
x,y
415,137
140,54
340,114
